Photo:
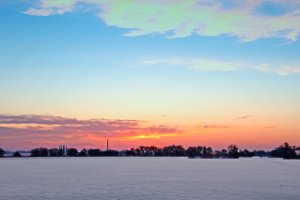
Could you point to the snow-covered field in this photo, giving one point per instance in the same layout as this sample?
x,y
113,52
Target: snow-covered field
x,y
148,178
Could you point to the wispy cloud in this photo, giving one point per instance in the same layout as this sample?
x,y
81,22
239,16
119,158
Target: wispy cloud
x,y
269,127
195,64
280,69
203,64
36,119
181,18
208,127
31,128
243,117
47,11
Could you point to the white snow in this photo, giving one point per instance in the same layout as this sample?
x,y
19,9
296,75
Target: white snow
x,y
148,179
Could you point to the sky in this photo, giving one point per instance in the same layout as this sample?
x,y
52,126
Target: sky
x,y
161,72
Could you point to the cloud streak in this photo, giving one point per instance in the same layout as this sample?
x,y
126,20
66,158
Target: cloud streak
x,y
45,123
32,128
243,117
203,64
196,64
209,127
182,18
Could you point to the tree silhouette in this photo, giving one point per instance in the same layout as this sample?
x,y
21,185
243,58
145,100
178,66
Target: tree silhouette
x,y
285,151
83,152
55,152
131,152
233,151
192,152
261,153
246,153
221,154
94,152
72,152
17,154
2,152
110,153
174,150
207,152
39,152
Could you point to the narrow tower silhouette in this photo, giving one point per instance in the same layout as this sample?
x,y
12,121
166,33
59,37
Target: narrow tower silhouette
x,y
107,144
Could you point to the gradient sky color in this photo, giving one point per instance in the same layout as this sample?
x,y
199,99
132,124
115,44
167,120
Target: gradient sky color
x,y
191,72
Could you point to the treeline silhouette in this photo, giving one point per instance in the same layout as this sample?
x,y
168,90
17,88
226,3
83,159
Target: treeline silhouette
x,y
284,151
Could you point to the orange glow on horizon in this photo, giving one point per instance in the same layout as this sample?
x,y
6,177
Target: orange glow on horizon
x,y
250,133
149,136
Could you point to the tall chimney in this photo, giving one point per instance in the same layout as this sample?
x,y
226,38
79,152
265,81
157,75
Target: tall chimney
x,y
107,145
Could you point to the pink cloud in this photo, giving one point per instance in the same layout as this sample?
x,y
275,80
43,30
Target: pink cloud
x,y
54,130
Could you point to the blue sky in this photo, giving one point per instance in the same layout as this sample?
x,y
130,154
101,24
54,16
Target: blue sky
x,y
95,59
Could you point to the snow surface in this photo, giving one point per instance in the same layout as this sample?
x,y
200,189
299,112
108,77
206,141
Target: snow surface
x,y
148,179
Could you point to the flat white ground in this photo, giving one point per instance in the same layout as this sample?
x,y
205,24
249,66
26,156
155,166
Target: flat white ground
x,y
148,179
